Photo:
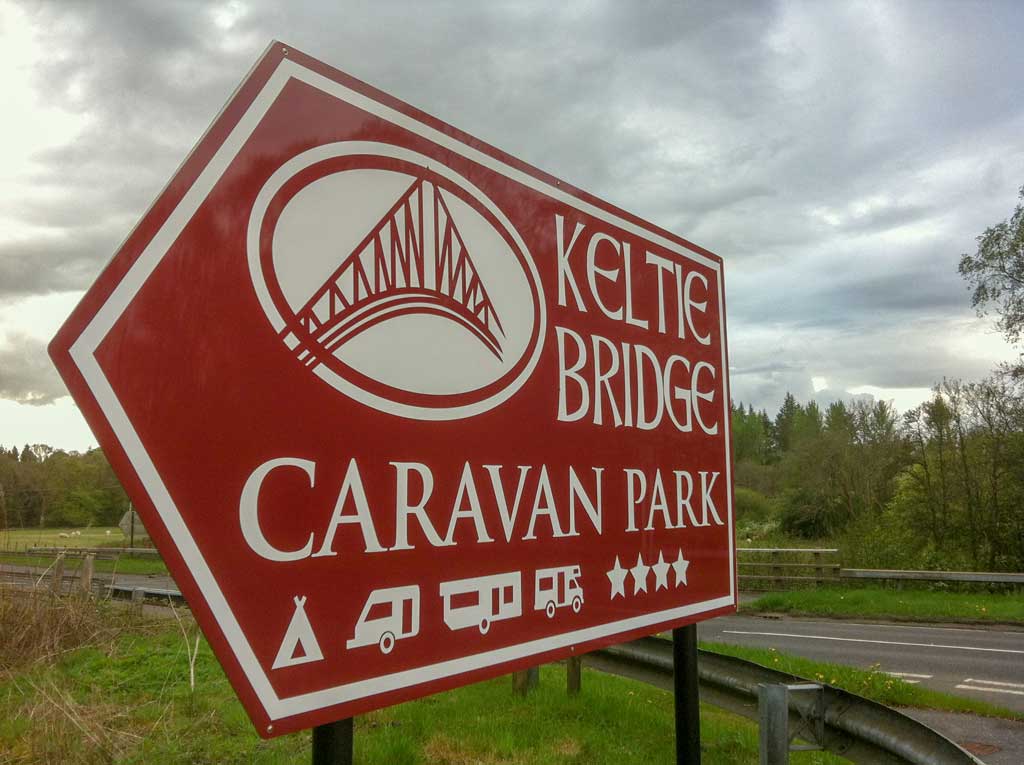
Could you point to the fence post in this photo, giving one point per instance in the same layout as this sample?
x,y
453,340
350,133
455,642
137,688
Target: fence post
x,y
573,675
525,680
773,710
88,565
138,596
57,584
817,570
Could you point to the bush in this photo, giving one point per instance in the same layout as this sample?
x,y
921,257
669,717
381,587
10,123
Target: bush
x,y
753,507
811,515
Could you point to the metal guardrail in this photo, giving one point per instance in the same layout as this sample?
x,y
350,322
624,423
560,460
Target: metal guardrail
x,y
129,591
855,728
984,577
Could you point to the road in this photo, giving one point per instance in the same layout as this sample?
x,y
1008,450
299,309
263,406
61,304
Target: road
x,y
984,664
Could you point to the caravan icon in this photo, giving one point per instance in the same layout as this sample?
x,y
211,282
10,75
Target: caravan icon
x,y
389,615
557,587
482,600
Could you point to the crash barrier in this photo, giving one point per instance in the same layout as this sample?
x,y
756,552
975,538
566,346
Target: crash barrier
x,y
136,593
982,577
848,725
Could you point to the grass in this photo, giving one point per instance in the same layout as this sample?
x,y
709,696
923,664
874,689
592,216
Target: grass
x,y
879,603
123,695
122,565
97,536
871,684
15,542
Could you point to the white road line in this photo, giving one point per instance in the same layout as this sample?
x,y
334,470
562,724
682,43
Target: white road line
x,y
909,677
876,642
994,682
911,674
989,690
922,627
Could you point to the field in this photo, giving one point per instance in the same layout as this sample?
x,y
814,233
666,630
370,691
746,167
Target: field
x,y
14,543
100,536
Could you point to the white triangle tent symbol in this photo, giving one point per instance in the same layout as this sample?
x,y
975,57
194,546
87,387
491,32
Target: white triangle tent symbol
x,y
299,644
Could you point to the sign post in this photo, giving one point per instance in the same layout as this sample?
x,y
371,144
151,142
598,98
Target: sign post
x,y
332,743
402,412
687,695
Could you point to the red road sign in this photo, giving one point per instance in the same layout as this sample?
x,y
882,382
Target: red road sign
x,y
402,412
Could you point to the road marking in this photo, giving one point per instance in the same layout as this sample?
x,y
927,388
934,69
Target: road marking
x,y
906,677
922,627
833,624
994,682
876,642
989,690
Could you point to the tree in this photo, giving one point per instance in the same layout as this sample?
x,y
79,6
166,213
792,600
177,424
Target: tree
x,y
996,273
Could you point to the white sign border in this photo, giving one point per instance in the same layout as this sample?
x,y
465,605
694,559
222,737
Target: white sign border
x,y
83,354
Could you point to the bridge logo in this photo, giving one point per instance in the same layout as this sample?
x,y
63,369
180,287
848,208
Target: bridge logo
x,y
396,281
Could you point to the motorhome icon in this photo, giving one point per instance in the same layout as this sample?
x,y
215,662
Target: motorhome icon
x,y
389,615
557,587
481,600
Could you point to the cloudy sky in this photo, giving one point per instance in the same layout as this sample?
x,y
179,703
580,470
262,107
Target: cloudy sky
x,y
839,156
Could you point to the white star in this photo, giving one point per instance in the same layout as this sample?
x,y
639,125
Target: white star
x,y
660,572
680,567
617,576
639,572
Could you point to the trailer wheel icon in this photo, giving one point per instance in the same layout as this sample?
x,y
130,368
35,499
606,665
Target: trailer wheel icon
x,y
387,642
485,625
549,609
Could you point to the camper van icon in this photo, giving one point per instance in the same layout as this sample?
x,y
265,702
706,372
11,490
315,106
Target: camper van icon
x,y
558,587
389,615
480,600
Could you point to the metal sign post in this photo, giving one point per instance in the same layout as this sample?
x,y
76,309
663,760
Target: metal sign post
x,y
332,743
687,692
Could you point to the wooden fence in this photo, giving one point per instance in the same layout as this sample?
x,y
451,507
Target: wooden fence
x,y
763,568
771,567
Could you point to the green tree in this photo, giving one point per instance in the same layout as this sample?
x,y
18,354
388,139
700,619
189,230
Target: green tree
x,y
995,273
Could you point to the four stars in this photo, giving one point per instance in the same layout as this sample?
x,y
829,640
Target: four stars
x,y
639,572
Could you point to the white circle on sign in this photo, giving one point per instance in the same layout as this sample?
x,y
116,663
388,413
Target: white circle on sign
x,y
396,280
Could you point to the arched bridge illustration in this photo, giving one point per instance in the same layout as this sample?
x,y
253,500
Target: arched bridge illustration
x,y
413,261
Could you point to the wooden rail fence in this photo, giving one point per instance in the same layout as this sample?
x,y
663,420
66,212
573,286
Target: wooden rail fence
x,y
778,567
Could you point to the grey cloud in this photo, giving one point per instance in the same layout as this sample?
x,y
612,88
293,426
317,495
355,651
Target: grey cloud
x,y
26,374
55,262
796,140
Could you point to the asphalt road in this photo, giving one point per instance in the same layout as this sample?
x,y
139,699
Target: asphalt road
x,y
985,664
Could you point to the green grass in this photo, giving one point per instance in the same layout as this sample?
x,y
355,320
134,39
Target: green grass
x,y
20,539
121,565
14,542
130,702
879,603
871,684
